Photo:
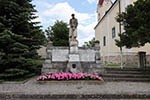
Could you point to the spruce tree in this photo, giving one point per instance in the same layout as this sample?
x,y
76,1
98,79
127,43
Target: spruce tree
x,y
20,38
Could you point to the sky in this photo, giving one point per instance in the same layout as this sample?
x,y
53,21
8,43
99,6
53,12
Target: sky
x,y
85,11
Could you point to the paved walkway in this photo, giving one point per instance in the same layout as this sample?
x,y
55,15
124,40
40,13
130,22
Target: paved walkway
x,y
34,87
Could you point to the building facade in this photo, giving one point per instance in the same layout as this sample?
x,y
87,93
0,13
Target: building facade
x,y
107,30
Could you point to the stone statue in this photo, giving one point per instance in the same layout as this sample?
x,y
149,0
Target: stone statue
x,y
73,28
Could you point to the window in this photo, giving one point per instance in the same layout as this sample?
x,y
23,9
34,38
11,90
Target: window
x,y
104,41
99,16
113,32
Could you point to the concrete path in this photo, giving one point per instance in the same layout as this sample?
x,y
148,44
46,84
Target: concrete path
x,y
32,87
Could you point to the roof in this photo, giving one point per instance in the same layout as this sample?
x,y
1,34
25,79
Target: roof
x,y
100,2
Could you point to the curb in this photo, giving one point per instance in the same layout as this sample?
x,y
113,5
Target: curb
x,y
73,96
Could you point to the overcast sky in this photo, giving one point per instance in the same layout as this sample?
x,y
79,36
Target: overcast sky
x,y
85,10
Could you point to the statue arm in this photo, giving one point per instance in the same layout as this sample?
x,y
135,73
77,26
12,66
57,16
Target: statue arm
x,y
70,23
76,23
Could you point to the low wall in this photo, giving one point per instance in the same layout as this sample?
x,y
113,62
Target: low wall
x,y
126,59
61,54
86,66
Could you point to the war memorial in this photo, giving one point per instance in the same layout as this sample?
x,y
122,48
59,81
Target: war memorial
x,y
72,59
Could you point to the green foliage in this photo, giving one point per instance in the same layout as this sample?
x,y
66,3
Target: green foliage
x,y
20,38
58,34
97,41
90,43
136,22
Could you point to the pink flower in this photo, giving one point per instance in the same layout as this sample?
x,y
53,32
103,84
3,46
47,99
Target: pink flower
x,y
67,76
70,75
97,76
78,76
52,77
49,76
57,76
91,76
62,76
43,77
74,76
100,78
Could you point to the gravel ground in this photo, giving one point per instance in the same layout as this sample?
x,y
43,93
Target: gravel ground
x,y
34,87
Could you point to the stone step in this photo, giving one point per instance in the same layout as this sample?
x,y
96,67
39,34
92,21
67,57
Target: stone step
x,y
128,69
126,75
127,72
107,79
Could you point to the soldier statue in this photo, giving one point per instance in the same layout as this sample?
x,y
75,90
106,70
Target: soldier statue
x,y
73,28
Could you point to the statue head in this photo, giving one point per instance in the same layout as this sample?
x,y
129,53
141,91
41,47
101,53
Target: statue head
x,y
73,15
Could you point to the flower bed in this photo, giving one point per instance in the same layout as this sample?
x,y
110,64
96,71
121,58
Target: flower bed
x,y
69,76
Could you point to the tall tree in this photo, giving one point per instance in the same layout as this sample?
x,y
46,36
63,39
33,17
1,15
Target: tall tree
x,y
58,33
20,38
136,23
90,43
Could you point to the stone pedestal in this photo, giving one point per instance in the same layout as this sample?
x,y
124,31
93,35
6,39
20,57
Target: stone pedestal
x,y
74,58
73,43
73,47
74,50
74,65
